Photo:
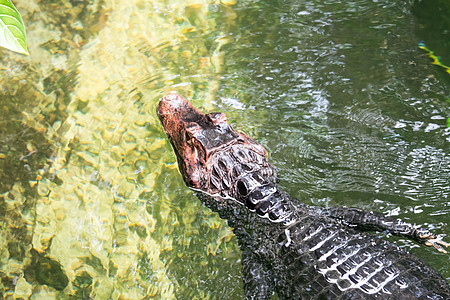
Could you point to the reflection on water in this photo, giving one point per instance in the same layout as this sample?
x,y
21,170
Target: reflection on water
x,y
91,203
353,113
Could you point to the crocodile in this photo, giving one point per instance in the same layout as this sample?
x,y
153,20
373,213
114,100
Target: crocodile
x,y
295,250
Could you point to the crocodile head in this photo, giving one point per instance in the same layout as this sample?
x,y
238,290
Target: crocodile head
x,y
212,156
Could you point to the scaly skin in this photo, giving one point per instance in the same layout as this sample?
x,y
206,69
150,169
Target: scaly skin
x,y
295,250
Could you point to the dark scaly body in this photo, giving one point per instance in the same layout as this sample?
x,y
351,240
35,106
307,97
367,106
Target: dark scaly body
x,y
299,251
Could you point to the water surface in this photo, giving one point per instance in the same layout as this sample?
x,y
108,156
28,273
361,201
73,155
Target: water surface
x,y
351,111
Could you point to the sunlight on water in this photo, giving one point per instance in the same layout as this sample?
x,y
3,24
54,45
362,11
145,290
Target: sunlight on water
x,y
91,201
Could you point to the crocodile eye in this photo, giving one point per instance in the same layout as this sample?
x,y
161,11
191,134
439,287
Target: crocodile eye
x,y
242,189
192,126
217,117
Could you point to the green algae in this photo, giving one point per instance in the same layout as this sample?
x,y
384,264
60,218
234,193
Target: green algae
x,y
46,271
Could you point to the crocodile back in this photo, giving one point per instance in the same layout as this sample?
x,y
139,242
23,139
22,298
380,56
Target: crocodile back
x,y
317,258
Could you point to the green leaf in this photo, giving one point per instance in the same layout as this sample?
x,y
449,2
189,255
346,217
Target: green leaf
x,y
12,30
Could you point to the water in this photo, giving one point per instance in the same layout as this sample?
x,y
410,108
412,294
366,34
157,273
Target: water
x,y
351,111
